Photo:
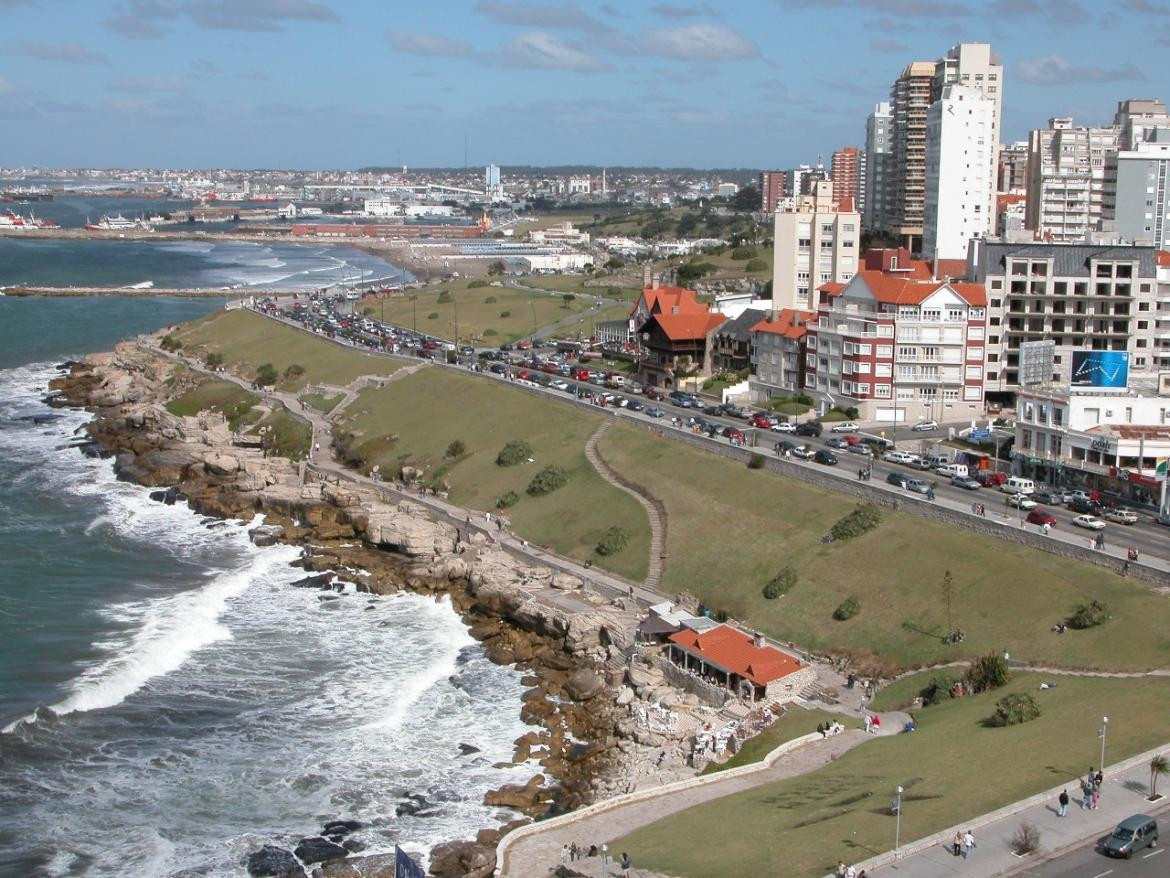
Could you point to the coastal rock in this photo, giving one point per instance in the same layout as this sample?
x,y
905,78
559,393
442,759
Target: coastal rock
x,y
319,850
273,862
406,530
468,749
565,582
583,684
341,827
529,799
266,534
221,464
462,859
373,866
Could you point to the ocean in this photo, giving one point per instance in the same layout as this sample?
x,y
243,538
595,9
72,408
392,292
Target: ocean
x,y
188,264
169,703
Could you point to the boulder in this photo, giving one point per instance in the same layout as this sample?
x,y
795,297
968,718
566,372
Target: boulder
x,y
625,696
221,464
407,530
583,684
373,866
467,749
565,582
266,534
273,862
462,858
319,850
341,827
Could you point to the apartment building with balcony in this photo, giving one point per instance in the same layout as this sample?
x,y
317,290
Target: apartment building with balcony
x,y
878,143
898,343
1080,296
777,353
1141,177
1161,341
910,100
1069,189
817,240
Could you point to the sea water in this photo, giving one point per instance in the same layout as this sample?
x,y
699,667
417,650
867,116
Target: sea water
x,y
170,702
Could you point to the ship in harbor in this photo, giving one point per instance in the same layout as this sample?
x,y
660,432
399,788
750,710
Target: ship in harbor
x,y
25,196
117,223
17,222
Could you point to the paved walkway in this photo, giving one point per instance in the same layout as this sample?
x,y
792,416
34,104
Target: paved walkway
x,y
539,854
1122,795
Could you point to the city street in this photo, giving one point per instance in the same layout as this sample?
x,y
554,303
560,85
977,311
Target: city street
x,y
1087,862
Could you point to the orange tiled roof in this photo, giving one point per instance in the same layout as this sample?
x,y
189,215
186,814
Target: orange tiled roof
x,y
952,267
895,289
734,651
683,326
783,325
668,299
1162,257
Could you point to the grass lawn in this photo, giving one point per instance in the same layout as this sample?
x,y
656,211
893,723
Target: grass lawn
x,y
952,768
414,420
796,722
225,397
247,340
730,529
789,407
323,404
479,311
727,268
286,436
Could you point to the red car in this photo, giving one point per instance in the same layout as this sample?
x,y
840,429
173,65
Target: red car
x,y
581,374
1041,517
524,375
523,345
989,479
762,422
732,433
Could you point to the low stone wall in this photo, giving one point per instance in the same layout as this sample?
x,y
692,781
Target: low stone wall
x,y
716,696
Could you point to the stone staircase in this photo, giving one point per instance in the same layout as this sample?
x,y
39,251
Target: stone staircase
x,y
654,509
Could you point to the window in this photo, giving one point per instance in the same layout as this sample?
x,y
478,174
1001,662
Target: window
x,y
865,349
975,373
885,351
863,389
863,368
882,370
882,391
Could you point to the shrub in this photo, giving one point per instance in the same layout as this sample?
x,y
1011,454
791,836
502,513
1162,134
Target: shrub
x,y
849,608
852,413
506,501
780,584
434,315
1011,710
489,332
513,453
456,449
548,480
864,518
1089,615
744,253
266,375
444,298
478,284
987,672
1026,839
756,461
756,265
214,360
615,262
614,541
490,300
504,315
170,343
296,370
568,299
939,689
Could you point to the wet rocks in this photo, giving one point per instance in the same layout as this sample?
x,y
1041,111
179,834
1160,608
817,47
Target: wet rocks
x,y
462,859
583,684
316,849
266,534
373,866
273,862
467,749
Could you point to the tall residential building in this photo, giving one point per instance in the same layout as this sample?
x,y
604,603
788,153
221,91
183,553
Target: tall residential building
x,y
909,102
1013,167
976,66
846,173
960,182
1135,120
877,166
772,190
815,243
1068,191
1142,196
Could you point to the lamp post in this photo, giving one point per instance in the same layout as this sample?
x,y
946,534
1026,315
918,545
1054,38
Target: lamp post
x,y
1101,735
898,820
533,306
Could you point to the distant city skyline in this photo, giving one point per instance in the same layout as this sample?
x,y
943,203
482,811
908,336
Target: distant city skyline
x,y
350,83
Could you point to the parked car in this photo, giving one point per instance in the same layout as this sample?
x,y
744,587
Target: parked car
x,y
898,479
1048,498
1085,506
761,421
783,427
836,442
924,426
920,463
713,410
655,412
990,479
1041,517
1120,516
918,486
559,384
733,411
809,428
902,457
1089,522
732,433
1132,834
682,400
966,482
845,427
784,447
859,448
804,452
1021,501
636,405
826,457
1162,518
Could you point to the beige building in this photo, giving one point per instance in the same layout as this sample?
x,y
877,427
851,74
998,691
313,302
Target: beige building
x,y
1069,192
909,104
818,240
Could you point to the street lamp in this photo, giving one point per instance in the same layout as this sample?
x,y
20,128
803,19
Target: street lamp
x,y
898,820
1101,735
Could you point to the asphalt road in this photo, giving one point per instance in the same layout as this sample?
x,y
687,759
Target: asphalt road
x,y
1087,862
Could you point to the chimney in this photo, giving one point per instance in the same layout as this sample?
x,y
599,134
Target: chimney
x,y
795,317
654,280
759,641
934,266
646,275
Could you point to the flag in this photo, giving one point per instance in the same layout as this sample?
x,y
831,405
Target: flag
x,y
404,866
1160,472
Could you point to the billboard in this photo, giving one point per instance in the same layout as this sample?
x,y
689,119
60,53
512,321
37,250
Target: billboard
x,y
1036,362
1100,370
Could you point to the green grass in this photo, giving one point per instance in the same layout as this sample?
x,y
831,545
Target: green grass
x,y
322,403
953,768
414,420
789,407
225,397
730,529
247,340
796,722
286,435
475,315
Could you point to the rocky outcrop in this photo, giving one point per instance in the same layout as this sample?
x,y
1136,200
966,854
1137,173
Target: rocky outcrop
x,y
407,529
373,866
462,859
273,862
316,849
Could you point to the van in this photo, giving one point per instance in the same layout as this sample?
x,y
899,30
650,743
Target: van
x,y
1016,485
1132,834
934,461
952,470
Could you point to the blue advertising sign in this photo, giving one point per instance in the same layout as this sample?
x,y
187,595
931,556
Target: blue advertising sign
x,y
404,866
1103,370
979,435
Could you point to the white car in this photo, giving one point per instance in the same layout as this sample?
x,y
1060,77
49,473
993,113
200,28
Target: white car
x,y
804,452
1121,516
559,384
1021,501
845,427
898,456
783,427
923,426
1091,522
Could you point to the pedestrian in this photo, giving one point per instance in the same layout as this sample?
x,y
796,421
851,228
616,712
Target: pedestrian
x,y
631,591
604,854
968,843
957,844
564,853
868,723
850,872
1098,778
573,852
877,724
860,474
487,516
1095,798
1063,799
1086,794
625,865
841,869
1045,528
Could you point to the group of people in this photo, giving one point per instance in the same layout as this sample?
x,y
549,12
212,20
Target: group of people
x,y
833,728
865,473
979,509
570,853
1090,793
844,871
873,723
963,844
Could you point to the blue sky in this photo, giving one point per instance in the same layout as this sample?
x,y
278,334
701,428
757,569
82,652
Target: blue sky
x,y
348,83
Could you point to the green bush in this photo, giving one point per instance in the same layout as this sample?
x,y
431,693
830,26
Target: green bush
x,y
744,253
266,375
756,461
1089,615
444,298
756,265
490,300
1011,710
513,453
852,413
861,520
296,370
214,360
614,541
504,315
489,332
506,501
987,672
938,690
780,584
478,284
849,608
170,343
434,315
548,480
456,449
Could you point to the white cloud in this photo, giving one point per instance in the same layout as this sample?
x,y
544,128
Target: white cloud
x,y
697,42
66,53
1057,70
418,43
546,52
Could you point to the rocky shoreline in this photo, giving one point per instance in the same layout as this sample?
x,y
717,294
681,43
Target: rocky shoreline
x,y
569,643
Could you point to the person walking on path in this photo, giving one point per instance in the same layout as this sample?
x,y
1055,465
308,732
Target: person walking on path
x,y
625,864
604,854
957,844
1086,793
1095,799
968,843
1063,799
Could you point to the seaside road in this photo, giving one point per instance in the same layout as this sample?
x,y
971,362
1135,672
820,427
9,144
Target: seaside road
x,y
540,853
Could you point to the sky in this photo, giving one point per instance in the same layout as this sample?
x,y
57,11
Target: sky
x,y
338,84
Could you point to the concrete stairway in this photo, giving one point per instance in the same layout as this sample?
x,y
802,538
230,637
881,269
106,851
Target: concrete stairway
x,y
655,511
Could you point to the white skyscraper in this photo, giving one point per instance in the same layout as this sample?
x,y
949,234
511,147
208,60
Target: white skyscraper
x,y
878,144
960,180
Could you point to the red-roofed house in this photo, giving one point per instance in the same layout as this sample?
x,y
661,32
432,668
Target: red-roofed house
x,y
746,666
899,343
778,348
674,332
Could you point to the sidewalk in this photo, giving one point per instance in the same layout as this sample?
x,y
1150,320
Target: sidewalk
x,y
1122,795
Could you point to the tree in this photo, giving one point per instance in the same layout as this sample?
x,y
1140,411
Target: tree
x,y
497,268
295,370
1014,709
266,375
614,263
1159,765
456,449
214,360
781,583
987,672
747,198
568,299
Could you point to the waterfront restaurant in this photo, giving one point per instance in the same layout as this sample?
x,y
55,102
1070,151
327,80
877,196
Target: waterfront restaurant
x,y
738,662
